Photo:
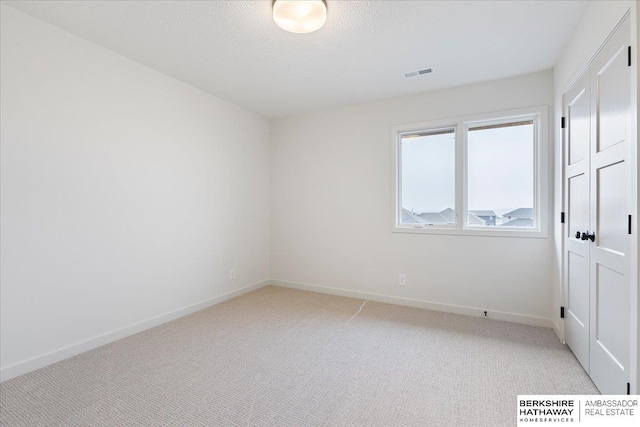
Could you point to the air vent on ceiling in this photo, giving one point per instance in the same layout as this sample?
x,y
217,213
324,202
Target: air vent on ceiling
x,y
416,73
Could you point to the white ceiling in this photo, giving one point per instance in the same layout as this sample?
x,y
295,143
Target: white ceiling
x,y
234,50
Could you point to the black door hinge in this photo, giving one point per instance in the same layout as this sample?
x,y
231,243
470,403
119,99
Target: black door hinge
x,y
562,312
628,389
629,224
562,123
629,56
561,217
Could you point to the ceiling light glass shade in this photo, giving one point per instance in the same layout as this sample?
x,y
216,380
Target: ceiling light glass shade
x,y
300,16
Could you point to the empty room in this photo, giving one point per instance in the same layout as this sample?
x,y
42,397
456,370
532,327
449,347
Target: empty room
x,y
319,213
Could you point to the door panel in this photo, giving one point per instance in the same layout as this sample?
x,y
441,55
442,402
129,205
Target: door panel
x,y
612,200
578,297
578,198
614,85
609,344
611,296
578,126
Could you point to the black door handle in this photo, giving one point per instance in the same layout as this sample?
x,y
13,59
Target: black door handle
x,y
577,234
587,236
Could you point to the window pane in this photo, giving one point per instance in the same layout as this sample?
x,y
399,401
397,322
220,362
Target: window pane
x,y
500,175
428,177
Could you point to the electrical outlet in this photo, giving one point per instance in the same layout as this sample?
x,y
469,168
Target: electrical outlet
x,y
232,274
402,279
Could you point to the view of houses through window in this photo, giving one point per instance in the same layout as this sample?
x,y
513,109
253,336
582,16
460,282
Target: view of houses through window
x,y
520,217
500,162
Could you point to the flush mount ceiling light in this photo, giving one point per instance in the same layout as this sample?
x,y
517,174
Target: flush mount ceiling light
x,y
300,16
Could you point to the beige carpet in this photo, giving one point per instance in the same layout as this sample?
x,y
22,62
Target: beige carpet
x,y
282,357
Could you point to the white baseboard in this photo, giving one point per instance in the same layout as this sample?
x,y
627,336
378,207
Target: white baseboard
x,y
75,349
81,347
556,329
436,306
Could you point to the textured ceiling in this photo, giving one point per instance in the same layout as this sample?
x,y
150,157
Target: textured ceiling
x,y
234,50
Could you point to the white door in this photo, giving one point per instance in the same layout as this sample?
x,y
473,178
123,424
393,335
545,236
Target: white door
x,y
577,112
610,207
597,199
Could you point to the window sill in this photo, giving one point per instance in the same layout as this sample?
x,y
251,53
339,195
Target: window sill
x,y
497,232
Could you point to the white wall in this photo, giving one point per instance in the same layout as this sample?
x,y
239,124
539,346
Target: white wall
x,y
331,206
126,195
598,21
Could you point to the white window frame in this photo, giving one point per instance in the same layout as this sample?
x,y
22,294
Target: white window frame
x,y
540,118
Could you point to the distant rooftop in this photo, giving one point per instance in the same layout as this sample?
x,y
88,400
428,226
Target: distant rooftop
x,y
409,217
519,213
449,215
474,219
519,222
483,213
433,218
